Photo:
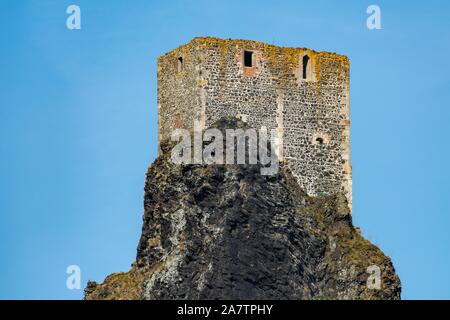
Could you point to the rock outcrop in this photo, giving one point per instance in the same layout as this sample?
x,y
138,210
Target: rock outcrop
x,y
228,232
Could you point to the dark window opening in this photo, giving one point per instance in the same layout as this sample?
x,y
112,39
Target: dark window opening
x,y
305,66
180,64
248,59
319,140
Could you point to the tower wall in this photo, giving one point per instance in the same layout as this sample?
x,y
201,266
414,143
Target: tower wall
x,y
178,90
310,115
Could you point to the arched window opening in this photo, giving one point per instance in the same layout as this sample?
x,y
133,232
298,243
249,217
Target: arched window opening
x,y
305,66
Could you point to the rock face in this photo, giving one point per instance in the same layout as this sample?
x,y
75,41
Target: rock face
x,y
228,232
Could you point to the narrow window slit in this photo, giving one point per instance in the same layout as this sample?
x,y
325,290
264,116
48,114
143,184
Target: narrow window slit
x,y
180,64
305,66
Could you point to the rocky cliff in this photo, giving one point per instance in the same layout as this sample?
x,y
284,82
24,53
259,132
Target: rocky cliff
x,y
228,232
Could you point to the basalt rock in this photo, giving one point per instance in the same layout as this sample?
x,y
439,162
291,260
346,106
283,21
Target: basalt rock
x,y
229,232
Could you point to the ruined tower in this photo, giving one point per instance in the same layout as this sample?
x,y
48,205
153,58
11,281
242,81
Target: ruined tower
x,y
301,93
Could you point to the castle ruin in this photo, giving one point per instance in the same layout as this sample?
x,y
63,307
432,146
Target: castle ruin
x,y
301,93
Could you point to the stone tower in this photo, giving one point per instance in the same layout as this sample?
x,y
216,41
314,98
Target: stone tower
x,y
301,93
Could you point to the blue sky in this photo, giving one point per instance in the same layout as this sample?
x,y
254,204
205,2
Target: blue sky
x,y
78,127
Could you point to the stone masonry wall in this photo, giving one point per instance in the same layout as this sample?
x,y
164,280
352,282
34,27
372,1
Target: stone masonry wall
x,y
310,115
178,91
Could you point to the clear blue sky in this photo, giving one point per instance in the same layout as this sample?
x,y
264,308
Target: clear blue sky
x,y
78,127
